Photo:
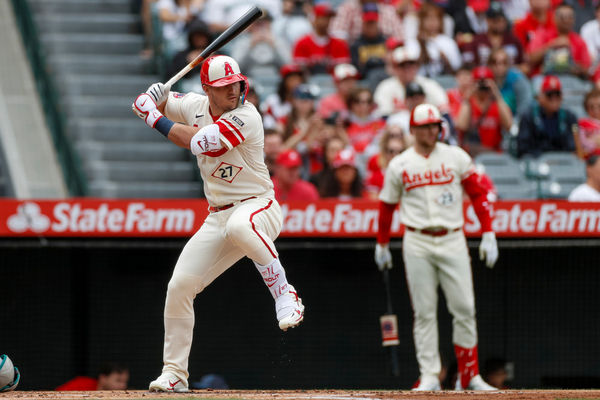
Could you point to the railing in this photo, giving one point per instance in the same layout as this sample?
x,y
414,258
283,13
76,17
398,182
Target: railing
x,y
69,160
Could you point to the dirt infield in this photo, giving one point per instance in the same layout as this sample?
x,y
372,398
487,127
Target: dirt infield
x,y
312,395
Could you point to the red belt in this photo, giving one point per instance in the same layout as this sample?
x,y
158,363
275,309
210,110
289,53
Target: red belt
x,y
432,232
227,206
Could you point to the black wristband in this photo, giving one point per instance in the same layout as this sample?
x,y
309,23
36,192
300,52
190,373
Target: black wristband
x,y
164,125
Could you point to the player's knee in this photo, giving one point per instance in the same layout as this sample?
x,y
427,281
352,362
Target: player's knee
x,y
238,230
185,285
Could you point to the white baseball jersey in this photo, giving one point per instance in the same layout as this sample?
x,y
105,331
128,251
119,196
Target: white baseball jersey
x,y
430,187
238,171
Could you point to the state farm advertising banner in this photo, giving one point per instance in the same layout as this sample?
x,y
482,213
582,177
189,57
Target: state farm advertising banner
x,y
326,218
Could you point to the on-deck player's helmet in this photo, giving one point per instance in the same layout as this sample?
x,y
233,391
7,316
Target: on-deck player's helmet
x,y
222,70
425,114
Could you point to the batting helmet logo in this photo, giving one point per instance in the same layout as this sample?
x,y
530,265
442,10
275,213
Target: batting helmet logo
x,y
425,114
220,71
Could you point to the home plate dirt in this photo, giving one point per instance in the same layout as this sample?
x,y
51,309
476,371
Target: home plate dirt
x,y
312,395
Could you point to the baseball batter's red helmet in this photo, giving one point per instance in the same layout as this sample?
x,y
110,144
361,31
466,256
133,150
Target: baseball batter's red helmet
x,y
425,114
222,70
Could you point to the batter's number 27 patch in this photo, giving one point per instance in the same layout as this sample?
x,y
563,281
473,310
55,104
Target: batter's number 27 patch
x,y
226,172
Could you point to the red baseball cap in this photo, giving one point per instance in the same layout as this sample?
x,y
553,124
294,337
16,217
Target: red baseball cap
x,y
289,159
479,6
287,69
370,12
344,157
392,43
551,83
323,10
482,72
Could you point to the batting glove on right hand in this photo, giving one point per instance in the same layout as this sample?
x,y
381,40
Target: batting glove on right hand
x,y
488,249
383,256
159,92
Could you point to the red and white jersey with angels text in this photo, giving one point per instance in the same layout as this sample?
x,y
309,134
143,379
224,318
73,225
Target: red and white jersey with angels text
x,y
237,171
429,188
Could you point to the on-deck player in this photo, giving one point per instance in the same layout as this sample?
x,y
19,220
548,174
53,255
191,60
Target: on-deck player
x,y
225,133
429,178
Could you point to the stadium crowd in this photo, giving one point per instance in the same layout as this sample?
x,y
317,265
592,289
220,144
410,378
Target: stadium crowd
x,y
335,82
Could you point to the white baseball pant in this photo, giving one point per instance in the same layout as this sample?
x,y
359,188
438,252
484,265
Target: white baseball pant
x,y
246,229
431,262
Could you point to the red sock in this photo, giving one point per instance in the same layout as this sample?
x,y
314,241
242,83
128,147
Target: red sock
x,y
468,366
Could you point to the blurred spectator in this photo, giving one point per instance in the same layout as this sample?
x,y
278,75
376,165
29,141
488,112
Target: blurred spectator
x,y
331,147
539,17
590,190
498,36
464,82
513,84
472,21
287,182
293,23
199,36
590,33
273,146
258,51
345,77
409,10
344,181
174,16
277,105
221,14
438,52
112,376
589,127
349,20
252,97
369,49
363,124
391,144
318,52
389,94
559,50
546,126
145,10
483,115
494,372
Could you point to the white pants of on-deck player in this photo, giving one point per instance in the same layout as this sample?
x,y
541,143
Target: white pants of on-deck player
x,y
247,229
431,262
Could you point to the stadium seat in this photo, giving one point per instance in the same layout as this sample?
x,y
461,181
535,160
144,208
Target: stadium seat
x,y
507,176
555,190
446,81
324,82
563,167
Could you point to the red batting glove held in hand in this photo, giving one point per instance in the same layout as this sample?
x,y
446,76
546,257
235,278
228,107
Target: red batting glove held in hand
x,y
145,108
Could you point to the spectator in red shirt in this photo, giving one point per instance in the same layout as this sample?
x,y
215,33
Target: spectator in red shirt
x,y
112,376
391,144
464,82
483,115
540,16
363,123
345,77
589,127
344,182
560,50
287,182
318,52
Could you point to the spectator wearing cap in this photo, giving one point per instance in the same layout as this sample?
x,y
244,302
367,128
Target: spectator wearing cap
x,y
287,183
589,126
369,49
590,190
344,181
363,124
293,23
258,51
559,50
318,52
539,17
590,33
471,21
546,126
277,105
483,116
390,93
439,53
345,77
348,22
199,37
513,84
498,35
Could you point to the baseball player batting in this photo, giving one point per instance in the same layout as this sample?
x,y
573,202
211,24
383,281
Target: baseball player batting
x,y
225,133
429,178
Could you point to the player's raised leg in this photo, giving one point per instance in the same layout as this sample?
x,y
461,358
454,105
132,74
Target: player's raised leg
x,y
253,226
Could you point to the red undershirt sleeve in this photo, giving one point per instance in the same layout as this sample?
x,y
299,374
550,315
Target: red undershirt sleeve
x,y
386,211
478,194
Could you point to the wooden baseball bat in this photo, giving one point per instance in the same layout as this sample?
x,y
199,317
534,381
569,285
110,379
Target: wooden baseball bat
x,y
235,29
390,312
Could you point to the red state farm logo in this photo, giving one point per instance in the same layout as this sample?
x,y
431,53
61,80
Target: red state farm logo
x,y
28,216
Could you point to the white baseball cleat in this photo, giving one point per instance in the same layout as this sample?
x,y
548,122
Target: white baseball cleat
x,y
428,382
290,310
168,382
476,383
